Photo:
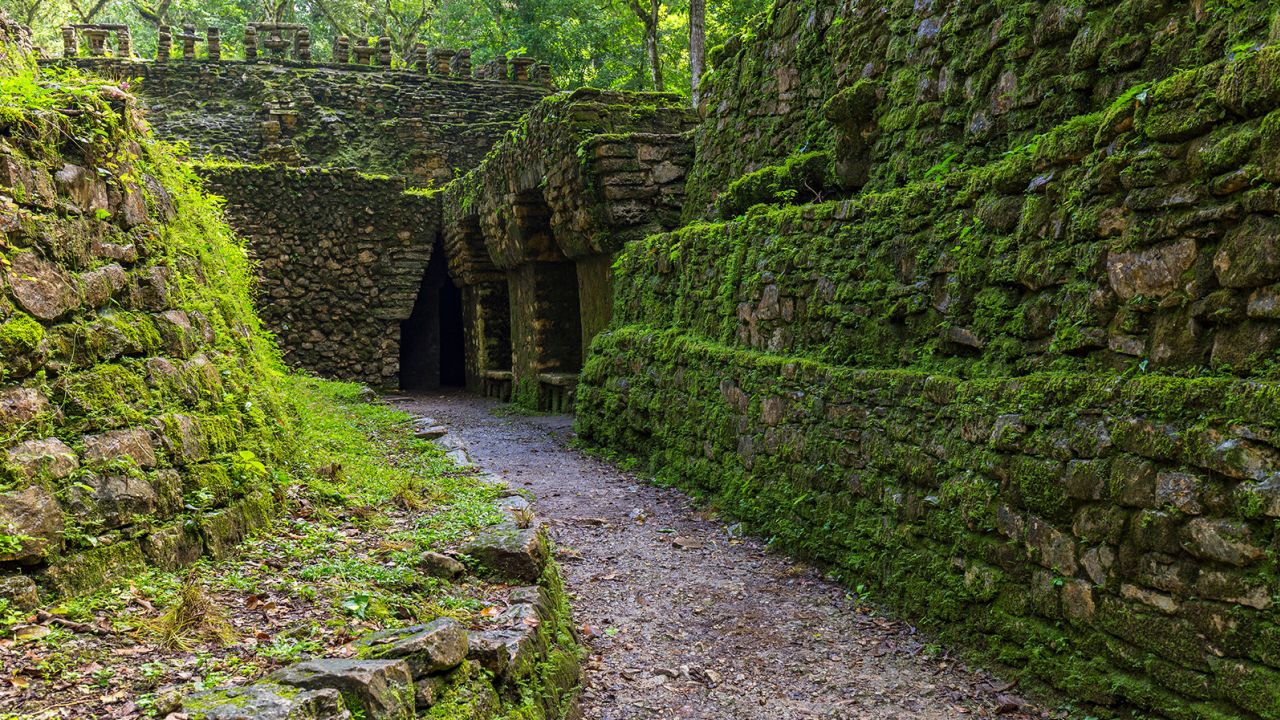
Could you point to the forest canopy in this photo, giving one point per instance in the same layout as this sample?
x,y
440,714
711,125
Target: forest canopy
x,y
600,43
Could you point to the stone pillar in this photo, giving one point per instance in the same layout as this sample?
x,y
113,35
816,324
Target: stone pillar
x,y
443,59
251,43
302,45
461,65
188,42
97,41
362,52
70,42
164,43
342,49
544,74
421,58
500,69
124,43
384,51
521,64
213,42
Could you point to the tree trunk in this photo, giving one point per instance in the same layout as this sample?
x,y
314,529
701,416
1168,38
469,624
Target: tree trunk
x,y
649,17
697,46
655,60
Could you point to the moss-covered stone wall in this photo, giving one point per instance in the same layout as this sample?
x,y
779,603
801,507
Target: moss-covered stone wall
x,y
1028,394
138,417
910,87
429,128
341,256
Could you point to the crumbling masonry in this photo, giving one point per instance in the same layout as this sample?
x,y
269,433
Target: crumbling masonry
x,y
973,301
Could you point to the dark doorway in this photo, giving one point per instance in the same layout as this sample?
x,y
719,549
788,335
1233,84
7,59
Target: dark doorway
x,y
432,354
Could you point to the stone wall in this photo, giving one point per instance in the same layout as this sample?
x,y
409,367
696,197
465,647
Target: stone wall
x,y
532,231
1029,393
138,415
426,127
341,256
898,89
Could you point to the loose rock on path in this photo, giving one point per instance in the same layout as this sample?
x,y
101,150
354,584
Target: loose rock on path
x,y
685,620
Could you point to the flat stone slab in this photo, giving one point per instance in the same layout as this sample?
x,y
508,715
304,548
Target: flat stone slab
x,y
438,646
383,688
266,701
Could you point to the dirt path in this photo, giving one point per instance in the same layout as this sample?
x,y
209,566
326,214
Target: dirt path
x,y
691,622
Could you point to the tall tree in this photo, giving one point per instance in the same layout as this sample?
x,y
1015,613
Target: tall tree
x,y
697,46
650,13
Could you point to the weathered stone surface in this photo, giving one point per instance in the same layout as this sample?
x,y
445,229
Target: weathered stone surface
x,y
19,406
33,518
509,551
90,570
112,500
1152,272
266,701
1180,490
384,689
432,648
41,287
1227,541
439,565
20,591
1250,254
49,458
82,188
135,444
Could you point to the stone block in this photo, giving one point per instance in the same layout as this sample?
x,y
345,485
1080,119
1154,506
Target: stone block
x,y
436,647
90,570
1133,481
1226,541
510,551
1179,490
20,591
134,443
33,522
172,546
1150,272
266,701
40,287
383,689
46,459
112,501
1250,254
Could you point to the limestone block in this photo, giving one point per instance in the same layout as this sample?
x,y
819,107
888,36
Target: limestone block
x,y
510,551
384,689
436,647
266,701
1227,541
33,520
49,458
113,500
1250,254
41,287
133,443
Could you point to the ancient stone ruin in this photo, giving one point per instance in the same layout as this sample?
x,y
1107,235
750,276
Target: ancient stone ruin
x,y
979,301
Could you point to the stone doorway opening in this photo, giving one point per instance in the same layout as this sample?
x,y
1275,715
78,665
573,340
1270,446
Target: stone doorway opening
x,y
432,349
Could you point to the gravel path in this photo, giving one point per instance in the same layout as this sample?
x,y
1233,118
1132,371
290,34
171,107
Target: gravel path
x,y
687,621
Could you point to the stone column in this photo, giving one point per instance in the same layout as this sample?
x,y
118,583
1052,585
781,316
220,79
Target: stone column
x,y
124,43
302,45
384,51
461,65
421,59
544,74
250,43
443,59
188,42
342,49
500,69
70,42
213,42
164,43
521,64
362,53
